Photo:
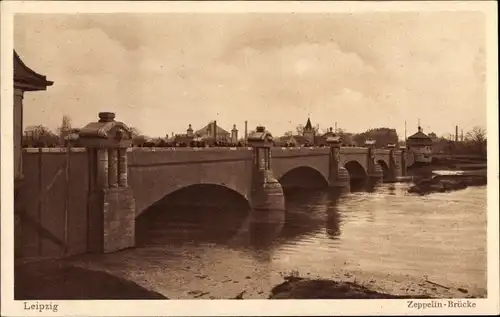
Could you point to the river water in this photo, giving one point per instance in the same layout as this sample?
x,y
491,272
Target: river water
x,y
387,239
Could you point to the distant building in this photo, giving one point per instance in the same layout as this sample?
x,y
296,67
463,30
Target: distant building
x,y
214,132
309,137
419,146
309,133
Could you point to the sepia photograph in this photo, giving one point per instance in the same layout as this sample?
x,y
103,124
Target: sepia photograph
x,y
211,154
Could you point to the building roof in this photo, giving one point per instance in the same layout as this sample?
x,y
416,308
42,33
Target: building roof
x,y
419,138
419,135
308,125
27,79
300,139
205,129
104,126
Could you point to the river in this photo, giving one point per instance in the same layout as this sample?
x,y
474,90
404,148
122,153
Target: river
x,y
387,239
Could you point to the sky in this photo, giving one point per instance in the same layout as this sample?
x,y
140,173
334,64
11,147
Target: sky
x,y
161,72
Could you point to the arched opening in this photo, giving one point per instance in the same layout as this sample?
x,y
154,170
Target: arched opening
x,y
303,177
197,213
385,169
357,175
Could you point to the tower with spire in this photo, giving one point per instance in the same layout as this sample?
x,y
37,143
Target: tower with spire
x,y
308,133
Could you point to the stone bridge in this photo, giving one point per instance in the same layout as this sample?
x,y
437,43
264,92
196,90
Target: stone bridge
x,y
125,181
154,173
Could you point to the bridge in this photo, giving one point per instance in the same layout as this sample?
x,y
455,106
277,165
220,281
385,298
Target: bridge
x,y
107,184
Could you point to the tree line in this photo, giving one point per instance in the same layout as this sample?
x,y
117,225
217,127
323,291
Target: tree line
x,y
474,141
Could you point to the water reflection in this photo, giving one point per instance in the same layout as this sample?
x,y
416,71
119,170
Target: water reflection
x,y
367,185
308,211
333,219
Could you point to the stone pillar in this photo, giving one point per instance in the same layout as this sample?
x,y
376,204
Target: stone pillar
x,y
267,198
403,162
102,168
337,178
234,135
189,131
18,168
113,167
111,218
18,133
393,173
123,167
375,173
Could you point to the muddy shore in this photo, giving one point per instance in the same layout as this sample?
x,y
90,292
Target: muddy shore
x,y
57,281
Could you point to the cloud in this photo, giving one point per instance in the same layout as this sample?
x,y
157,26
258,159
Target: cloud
x,y
161,72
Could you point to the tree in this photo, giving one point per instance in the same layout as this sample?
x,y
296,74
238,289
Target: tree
x,y
65,128
300,129
288,133
382,137
40,136
477,138
477,135
135,132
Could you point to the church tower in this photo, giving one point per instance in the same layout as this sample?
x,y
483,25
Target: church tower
x,y
309,133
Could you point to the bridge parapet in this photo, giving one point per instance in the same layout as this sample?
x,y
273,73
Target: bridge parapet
x,y
382,151
292,152
55,150
185,156
187,149
353,150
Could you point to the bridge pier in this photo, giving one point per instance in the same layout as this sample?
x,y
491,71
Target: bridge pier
x,y
404,163
374,171
111,211
338,178
393,168
267,199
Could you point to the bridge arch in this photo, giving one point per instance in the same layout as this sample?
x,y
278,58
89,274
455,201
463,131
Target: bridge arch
x,y
203,194
385,169
357,174
199,211
303,177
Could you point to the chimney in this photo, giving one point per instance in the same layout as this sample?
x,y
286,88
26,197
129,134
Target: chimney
x,y
246,130
234,135
456,133
215,130
462,135
335,126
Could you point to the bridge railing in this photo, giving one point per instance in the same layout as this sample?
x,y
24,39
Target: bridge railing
x,y
54,150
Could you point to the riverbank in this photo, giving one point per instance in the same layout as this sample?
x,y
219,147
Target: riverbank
x,y
348,287
51,280
301,288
